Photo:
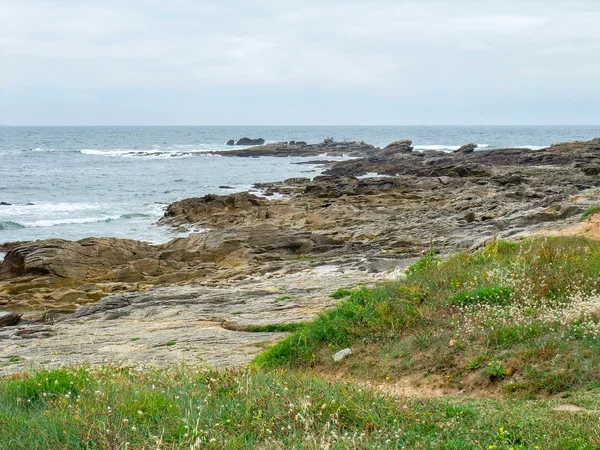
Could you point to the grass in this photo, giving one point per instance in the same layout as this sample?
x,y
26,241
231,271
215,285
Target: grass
x,y
340,293
532,308
277,327
589,212
182,407
517,321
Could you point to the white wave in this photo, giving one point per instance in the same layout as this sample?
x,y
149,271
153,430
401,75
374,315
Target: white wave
x,y
79,220
42,208
436,147
39,149
444,147
531,147
368,175
152,154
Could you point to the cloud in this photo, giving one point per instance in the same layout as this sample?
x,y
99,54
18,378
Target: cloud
x,y
383,53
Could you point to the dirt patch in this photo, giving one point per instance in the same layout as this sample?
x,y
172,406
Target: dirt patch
x,y
418,385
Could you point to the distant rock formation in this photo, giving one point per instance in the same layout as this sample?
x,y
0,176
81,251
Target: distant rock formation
x,y
465,149
401,146
230,142
248,141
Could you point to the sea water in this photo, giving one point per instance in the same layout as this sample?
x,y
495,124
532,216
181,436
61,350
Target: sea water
x,y
75,182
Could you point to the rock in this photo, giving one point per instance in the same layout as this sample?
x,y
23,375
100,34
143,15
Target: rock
x,y
81,260
401,146
338,356
225,187
193,210
576,146
466,149
470,217
4,204
230,142
248,141
591,171
292,143
8,319
301,148
67,295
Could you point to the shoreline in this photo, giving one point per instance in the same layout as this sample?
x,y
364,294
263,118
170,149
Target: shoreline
x,y
364,228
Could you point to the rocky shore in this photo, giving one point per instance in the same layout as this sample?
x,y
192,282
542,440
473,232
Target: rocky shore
x,y
270,258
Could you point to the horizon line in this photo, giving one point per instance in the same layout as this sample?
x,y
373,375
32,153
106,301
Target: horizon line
x,y
305,125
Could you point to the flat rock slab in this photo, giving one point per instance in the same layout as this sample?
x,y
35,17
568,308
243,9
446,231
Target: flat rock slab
x,y
191,324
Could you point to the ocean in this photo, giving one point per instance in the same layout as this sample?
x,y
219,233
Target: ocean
x,y
76,182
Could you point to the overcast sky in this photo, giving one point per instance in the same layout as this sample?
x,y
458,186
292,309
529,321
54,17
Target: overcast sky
x,y
371,62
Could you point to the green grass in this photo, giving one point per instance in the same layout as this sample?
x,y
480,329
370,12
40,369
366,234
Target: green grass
x,y
340,293
182,407
589,212
531,306
277,327
520,321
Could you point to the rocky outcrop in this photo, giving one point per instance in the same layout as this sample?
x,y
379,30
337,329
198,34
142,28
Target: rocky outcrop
x,y
248,141
275,261
301,148
396,147
192,210
395,201
85,259
230,142
576,146
466,149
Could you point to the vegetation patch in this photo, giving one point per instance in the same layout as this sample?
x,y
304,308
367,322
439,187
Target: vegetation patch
x,y
340,293
491,295
276,327
453,318
183,407
590,212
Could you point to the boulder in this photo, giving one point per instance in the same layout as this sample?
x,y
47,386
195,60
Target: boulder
x,y
248,141
230,142
466,149
192,210
84,259
401,146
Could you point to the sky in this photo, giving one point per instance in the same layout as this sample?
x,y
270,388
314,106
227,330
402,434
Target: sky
x,y
309,62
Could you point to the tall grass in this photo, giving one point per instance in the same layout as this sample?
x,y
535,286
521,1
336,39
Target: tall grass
x,y
191,408
457,317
